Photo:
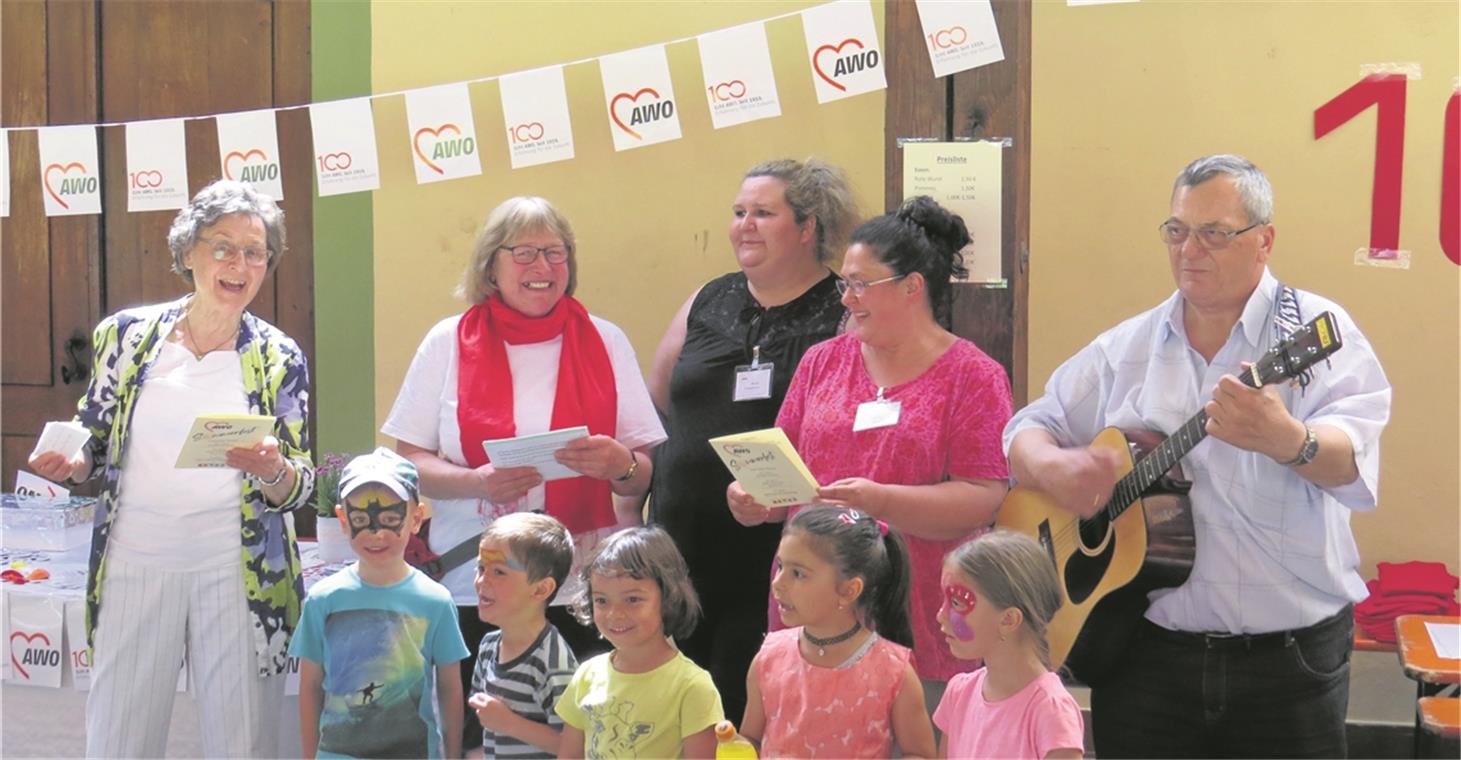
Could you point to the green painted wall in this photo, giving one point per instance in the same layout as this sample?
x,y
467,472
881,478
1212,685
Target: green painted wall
x,y
344,273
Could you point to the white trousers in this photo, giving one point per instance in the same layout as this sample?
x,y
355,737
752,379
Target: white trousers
x,y
150,621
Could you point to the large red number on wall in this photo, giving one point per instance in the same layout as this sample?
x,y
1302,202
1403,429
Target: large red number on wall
x,y
1451,181
1387,93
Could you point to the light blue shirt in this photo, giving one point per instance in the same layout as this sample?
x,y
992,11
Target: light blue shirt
x,y
1274,551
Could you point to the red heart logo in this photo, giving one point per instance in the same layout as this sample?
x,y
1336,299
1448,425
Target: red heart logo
x,y
416,143
817,66
28,638
614,105
227,172
46,175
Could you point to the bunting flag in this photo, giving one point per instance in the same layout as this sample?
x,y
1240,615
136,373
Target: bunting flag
x,y
70,173
35,635
959,36
157,165
639,97
842,44
739,83
843,55
535,107
443,135
248,150
344,142
4,173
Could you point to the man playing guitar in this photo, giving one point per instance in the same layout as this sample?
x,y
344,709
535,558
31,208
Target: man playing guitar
x,y
1250,655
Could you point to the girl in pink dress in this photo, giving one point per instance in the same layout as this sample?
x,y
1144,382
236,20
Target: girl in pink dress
x,y
1000,593
838,683
898,417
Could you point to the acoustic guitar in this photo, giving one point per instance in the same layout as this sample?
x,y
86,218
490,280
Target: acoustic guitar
x,y
1142,539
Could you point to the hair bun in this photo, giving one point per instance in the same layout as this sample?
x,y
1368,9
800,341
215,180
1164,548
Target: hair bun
x,y
942,227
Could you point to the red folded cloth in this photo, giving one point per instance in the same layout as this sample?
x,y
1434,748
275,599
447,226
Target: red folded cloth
x,y
1405,588
1416,578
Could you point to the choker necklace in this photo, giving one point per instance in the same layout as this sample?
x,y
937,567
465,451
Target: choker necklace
x,y
822,644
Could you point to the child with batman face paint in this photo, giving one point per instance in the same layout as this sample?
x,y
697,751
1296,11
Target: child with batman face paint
x,y
385,632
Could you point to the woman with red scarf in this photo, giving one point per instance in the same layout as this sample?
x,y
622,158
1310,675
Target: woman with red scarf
x,y
525,358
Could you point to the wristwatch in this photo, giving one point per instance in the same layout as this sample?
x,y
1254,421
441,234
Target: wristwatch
x,y
633,468
1307,452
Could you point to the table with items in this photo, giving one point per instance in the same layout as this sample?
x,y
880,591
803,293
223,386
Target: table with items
x,y
48,670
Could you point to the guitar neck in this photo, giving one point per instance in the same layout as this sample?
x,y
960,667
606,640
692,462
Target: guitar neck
x,y
1163,457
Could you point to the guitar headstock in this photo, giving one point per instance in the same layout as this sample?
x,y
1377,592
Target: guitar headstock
x,y
1304,348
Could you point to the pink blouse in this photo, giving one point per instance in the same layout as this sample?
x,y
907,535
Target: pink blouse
x,y
950,424
841,712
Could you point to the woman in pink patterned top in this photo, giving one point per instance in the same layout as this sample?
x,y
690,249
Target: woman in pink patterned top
x,y
899,417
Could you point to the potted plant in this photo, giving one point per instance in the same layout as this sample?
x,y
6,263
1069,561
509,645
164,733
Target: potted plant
x,y
333,543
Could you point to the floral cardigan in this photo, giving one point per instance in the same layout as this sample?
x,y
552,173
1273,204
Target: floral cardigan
x,y
276,381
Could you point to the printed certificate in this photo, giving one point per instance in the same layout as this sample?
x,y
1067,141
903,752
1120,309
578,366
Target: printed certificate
x,y
214,434
768,467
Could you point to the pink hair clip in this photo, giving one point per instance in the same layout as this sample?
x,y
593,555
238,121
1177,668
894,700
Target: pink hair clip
x,y
853,517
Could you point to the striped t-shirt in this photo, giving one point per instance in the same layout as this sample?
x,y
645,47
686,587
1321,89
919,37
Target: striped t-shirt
x,y
530,685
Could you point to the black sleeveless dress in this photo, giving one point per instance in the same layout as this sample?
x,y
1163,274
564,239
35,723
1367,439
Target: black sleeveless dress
x,y
728,562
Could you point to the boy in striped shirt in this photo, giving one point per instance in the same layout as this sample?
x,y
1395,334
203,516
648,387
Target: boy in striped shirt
x,y
523,667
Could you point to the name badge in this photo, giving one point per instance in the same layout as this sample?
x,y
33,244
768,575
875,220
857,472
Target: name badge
x,y
753,382
877,413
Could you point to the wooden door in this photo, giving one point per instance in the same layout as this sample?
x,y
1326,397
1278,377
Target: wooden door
x,y
74,61
988,102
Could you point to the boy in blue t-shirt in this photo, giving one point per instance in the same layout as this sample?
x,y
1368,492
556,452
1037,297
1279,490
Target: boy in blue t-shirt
x,y
378,638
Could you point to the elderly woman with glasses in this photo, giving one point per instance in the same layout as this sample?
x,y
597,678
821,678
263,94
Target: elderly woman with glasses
x,y
195,565
525,358
898,417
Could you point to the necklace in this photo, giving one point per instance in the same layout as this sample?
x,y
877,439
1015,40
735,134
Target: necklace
x,y
188,331
822,644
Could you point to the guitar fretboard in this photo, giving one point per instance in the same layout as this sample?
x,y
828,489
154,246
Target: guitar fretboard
x,y
1159,460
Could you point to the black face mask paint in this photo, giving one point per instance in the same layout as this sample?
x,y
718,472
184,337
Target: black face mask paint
x,y
375,516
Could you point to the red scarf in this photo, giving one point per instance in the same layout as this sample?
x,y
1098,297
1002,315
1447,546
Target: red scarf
x,y
586,394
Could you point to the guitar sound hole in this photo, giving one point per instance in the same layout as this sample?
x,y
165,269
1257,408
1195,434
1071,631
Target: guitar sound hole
x,y
1093,530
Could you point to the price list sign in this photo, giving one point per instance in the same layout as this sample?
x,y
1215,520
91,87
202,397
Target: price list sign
x,y
966,178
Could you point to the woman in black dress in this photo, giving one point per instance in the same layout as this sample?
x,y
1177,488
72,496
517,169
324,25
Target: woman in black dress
x,y
723,367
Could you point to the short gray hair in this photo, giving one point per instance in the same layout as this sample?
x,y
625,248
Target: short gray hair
x,y
513,218
215,201
1252,183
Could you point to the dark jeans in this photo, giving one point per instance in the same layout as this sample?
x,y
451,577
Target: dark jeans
x,y
1280,694
583,640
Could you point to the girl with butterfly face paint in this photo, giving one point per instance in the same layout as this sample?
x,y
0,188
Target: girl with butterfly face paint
x,y
999,594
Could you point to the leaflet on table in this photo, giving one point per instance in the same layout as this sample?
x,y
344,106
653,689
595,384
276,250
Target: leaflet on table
x,y
213,435
65,437
767,466
1446,637
535,451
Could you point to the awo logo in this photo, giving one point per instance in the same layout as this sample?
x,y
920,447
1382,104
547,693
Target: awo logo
x,y
218,427
650,112
81,184
945,39
445,141
527,132
335,162
40,657
724,92
843,64
252,165
145,179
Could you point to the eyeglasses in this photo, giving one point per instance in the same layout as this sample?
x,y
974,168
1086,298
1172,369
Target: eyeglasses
x,y
858,287
1211,238
225,251
527,254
